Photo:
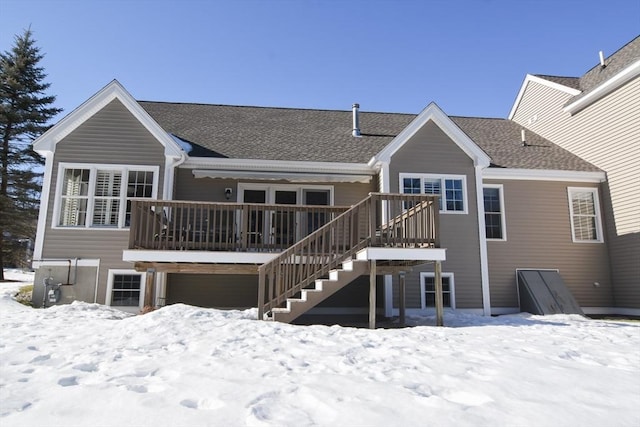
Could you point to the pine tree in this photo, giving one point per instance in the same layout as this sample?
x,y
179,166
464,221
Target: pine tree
x,y
25,110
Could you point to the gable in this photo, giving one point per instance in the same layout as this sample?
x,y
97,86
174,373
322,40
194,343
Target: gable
x,y
111,135
434,114
47,142
430,149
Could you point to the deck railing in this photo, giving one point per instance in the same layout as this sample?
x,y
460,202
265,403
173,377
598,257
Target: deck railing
x,y
380,220
210,226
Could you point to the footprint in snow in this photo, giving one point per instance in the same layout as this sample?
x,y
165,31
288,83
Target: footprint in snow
x,y
68,381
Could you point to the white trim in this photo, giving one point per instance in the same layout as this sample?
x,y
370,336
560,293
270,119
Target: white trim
x,y
93,168
544,175
605,88
131,255
433,113
278,176
399,254
44,206
110,277
113,90
598,213
442,178
276,165
484,258
531,78
170,165
503,216
452,293
60,262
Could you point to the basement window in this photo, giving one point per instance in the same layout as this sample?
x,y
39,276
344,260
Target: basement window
x,y
125,290
428,290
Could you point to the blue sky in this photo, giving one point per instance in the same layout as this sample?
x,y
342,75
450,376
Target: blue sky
x,y
470,57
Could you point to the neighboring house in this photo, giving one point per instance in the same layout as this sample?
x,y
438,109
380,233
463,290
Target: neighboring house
x,y
151,203
597,117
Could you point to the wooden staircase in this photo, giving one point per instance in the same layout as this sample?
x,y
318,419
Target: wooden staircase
x,y
322,263
321,290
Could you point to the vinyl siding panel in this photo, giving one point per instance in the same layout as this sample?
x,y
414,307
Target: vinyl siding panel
x,y
111,136
431,151
213,290
605,133
241,291
539,236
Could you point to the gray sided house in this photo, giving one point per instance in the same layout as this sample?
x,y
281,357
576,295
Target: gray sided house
x,y
312,211
597,117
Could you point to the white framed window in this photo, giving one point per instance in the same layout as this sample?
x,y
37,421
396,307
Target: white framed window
x,y
125,290
428,290
494,218
450,188
584,210
99,196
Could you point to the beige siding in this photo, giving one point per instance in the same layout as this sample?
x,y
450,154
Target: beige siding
x,y
241,291
213,290
212,189
431,151
111,136
539,236
607,134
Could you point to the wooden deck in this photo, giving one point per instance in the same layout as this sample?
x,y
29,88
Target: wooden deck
x,y
307,242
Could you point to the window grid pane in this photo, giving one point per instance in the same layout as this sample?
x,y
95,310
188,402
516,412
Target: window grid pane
x,y
492,213
453,190
126,290
584,215
430,291
139,184
75,191
433,186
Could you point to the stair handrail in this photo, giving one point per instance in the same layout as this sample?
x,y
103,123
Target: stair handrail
x,y
326,248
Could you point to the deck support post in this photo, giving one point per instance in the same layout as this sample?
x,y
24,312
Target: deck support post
x,y
403,305
438,285
261,289
372,294
149,289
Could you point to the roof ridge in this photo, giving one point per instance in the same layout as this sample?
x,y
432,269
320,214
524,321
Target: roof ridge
x,y
204,104
597,65
555,75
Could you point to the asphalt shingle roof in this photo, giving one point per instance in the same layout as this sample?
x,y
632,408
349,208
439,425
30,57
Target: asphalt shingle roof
x,y
597,75
572,82
325,135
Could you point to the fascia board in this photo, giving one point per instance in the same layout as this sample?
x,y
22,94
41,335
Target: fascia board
x,y
276,165
544,175
605,88
434,113
532,78
113,90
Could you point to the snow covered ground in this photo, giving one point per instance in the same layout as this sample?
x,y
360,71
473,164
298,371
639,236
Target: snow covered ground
x,y
88,365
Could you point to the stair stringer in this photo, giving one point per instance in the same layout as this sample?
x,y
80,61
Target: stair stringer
x,y
323,288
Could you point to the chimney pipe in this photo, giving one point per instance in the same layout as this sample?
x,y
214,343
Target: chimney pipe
x,y
602,64
356,120
523,138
